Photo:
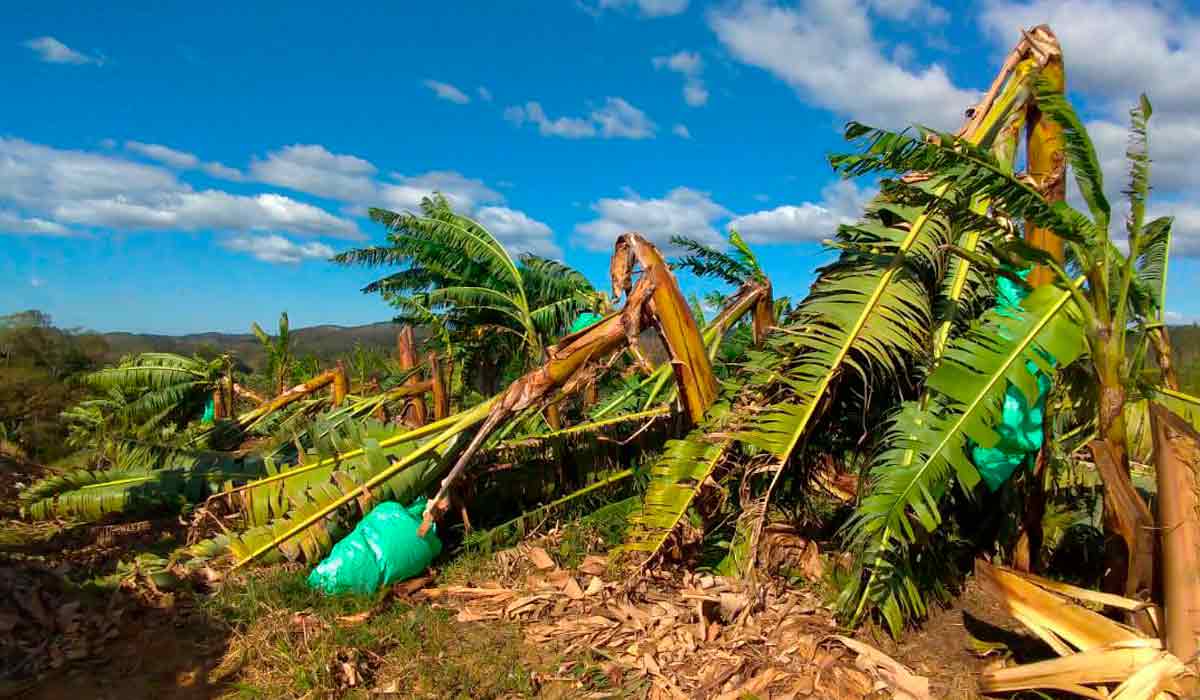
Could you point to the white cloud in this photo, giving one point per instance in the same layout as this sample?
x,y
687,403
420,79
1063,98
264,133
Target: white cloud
x,y
619,119
1185,233
1151,48
690,65
681,131
223,172
841,202
446,91
694,93
484,93
313,169
615,119
683,212
54,192
181,160
686,63
51,50
37,282
518,232
1147,47
826,50
463,193
694,214
648,8
274,248
51,189
565,127
910,10
30,226
167,156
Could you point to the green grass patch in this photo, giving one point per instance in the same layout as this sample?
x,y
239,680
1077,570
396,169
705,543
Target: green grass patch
x,y
291,641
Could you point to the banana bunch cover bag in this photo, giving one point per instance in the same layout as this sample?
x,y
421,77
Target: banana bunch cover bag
x,y
383,548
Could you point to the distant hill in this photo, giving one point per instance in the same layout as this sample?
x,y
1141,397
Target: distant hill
x,y
326,342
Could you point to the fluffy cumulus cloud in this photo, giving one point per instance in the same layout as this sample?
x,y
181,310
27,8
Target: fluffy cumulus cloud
x,y
681,131
446,91
841,202
51,50
690,65
273,248
828,52
464,194
315,170
614,119
59,192
1147,47
518,232
617,119
46,191
683,211
647,8
563,127
694,214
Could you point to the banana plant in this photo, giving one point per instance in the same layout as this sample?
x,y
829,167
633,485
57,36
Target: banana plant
x,y
425,453
1092,317
454,271
156,387
871,314
280,354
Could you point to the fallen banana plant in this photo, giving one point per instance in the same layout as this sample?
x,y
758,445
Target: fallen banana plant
x,y
653,302
1096,652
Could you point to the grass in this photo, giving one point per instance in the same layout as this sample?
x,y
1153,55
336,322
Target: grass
x,y
290,641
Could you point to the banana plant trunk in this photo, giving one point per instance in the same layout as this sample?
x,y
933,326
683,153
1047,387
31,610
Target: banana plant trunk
x,y
218,399
413,414
1176,461
441,399
1162,352
654,302
341,384
1046,158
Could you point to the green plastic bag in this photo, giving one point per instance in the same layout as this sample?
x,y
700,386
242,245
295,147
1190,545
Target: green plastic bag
x,y
1020,427
383,548
584,320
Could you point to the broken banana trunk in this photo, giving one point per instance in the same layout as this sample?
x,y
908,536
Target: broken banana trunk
x,y
653,302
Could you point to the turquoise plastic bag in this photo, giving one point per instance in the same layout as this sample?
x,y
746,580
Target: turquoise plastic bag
x,y
383,548
584,320
1020,427
209,412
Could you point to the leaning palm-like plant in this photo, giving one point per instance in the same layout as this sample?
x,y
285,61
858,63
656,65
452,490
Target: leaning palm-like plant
x,y
871,314
157,386
423,453
1093,315
135,479
279,352
736,267
457,272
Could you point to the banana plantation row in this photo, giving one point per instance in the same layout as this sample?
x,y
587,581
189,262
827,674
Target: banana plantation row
x,y
1014,350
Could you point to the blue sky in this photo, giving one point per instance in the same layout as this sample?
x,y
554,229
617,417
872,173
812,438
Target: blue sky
x,y
189,168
